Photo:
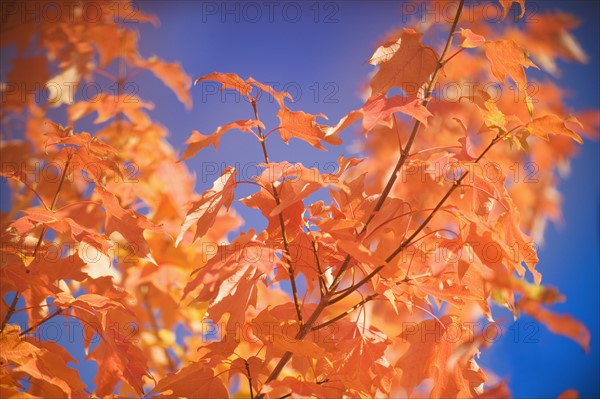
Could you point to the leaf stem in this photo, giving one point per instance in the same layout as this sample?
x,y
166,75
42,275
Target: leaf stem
x,y
346,313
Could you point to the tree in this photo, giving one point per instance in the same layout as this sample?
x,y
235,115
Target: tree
x,y
389,278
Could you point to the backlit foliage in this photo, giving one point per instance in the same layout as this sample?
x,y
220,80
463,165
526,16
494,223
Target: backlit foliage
x,y
416,240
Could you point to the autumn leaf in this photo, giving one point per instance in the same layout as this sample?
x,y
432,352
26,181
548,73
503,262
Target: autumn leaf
x,y
228,81
508,58
569,394
303,126
198,141
429,354
128,223
552,124
203,212
228,279
173,76
471,39
205,383
279,96
558,324
506,4
403,62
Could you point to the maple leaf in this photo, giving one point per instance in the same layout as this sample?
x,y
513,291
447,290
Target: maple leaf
x,y
244,87
204,211
119,360
228,278
559,324
45,362
128,223
228,81
470,39
61,135
297,182
429,353
179,384
378,110
403,62
358,357
279,96
552,124
508,58
172,75
280,337
506,4
108,106
264,201
26,72
198,141
303,126
569,394
60,90
112,43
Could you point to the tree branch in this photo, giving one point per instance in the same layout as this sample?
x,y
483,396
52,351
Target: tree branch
x,y
424,224
286,244
56,313
325,301
404,152
322,283
346,313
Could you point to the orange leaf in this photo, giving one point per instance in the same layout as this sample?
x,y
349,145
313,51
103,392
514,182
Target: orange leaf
x,y
198,141
405,63
569,394
228,81
470,39
552,124
508,58
558,324
204,212
173,76
506,4
277,95
128,223
303,126
196,380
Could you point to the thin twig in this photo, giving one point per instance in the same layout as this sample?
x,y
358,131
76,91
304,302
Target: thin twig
x,y
286,244
346,313
322,283
56,313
